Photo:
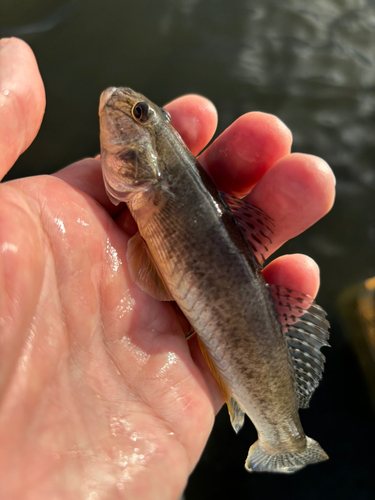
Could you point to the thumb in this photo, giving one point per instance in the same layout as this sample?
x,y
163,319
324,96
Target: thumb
x,y
22,100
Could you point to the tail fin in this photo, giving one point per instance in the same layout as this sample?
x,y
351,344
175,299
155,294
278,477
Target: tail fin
x,y
286,462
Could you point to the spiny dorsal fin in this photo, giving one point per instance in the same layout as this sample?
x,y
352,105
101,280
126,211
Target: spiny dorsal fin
x,y
237,416
255,225
143,270
306,331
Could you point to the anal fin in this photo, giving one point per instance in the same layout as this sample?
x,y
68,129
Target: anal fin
x,y
236,414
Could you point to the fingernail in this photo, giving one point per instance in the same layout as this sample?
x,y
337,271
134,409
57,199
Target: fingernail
x,y
4,41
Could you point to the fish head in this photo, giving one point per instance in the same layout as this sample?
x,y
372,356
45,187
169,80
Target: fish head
x,y
129,125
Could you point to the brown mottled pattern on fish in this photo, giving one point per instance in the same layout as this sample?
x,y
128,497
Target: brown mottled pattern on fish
x,y
208,268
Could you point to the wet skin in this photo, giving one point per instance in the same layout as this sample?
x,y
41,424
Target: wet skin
x,y
99,389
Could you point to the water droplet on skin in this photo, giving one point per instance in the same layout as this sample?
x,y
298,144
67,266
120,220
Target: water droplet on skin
x,y
172,358
126,305
8,247
114,259
82,222
59,223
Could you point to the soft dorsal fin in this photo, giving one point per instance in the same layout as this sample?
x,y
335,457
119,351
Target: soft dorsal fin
x,y
143,270
255,225
306,331
237,416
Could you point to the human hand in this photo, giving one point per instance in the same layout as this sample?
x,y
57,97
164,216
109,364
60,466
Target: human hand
x,y
101,395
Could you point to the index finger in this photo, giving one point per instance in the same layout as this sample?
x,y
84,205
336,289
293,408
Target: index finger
x,y
195,119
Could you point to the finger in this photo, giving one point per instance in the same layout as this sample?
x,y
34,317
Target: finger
x,y
296,272
245,151
22,100
296,192
195,119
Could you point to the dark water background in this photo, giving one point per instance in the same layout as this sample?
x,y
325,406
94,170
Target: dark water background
x,y
312,63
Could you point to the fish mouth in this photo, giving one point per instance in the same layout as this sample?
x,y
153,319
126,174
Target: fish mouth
x,y
120,92
105,97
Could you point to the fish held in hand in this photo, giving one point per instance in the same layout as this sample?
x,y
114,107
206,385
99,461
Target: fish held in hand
x,y
204,249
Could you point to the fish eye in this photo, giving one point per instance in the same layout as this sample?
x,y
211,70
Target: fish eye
x,y
141,111
167,116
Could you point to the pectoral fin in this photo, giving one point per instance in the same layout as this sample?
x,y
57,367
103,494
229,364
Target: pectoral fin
x,y
143,269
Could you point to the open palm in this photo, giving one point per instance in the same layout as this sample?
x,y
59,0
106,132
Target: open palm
x,y
100,394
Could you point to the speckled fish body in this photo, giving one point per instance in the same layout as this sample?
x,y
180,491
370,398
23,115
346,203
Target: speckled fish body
x,y
204,262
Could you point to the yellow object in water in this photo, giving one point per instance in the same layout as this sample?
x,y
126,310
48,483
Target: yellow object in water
x,y
357,306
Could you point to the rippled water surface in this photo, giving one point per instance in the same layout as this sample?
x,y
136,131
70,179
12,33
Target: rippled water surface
x,y
310,62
